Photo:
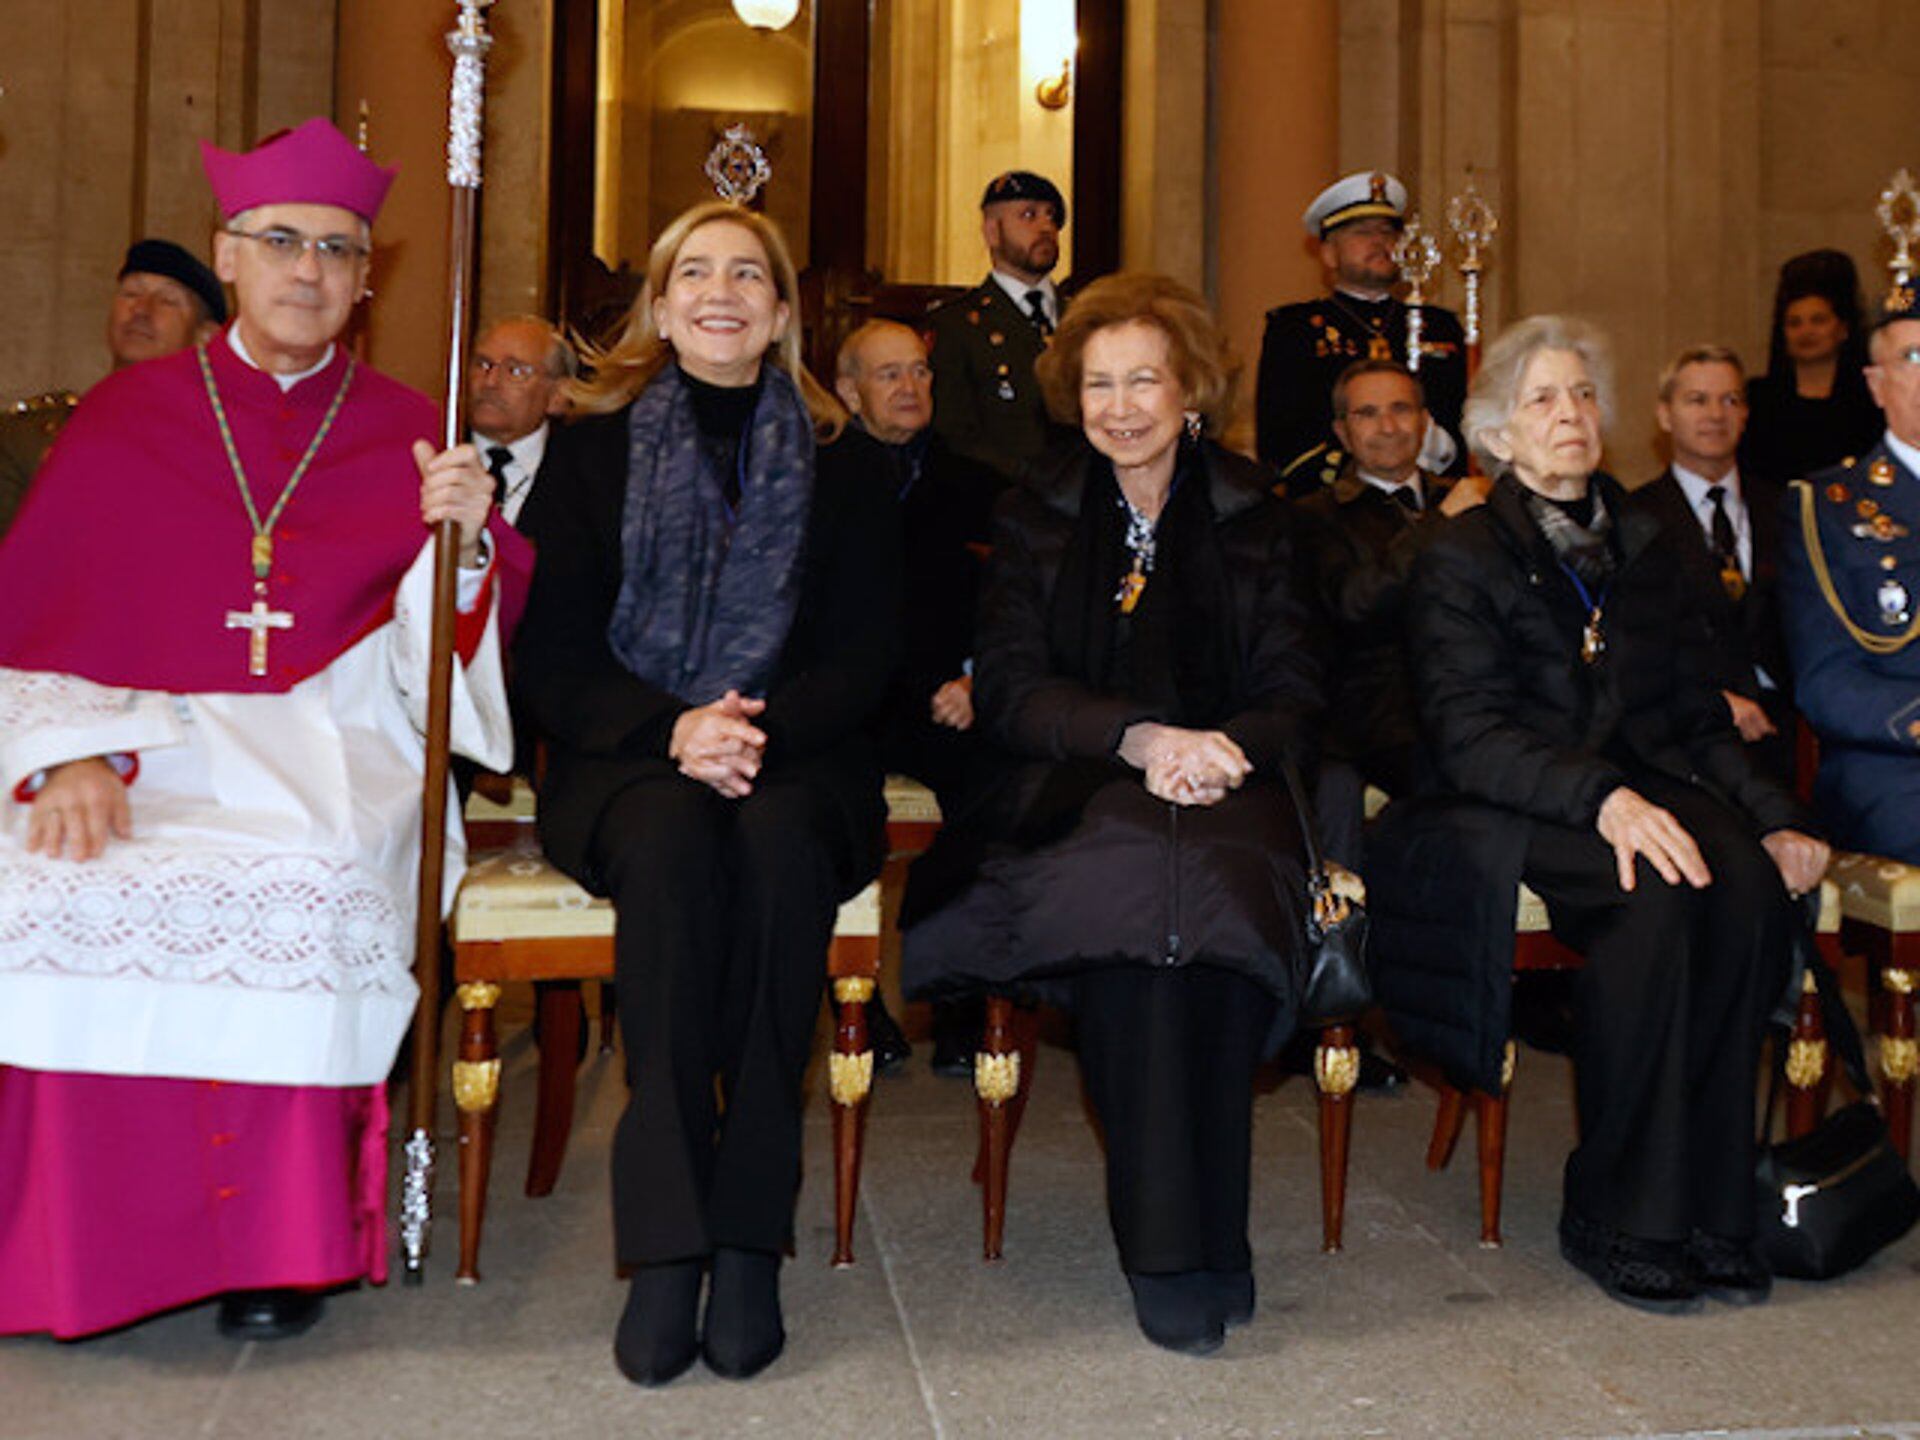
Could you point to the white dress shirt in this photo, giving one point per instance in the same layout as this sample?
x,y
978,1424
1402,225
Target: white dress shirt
x,y
1695,488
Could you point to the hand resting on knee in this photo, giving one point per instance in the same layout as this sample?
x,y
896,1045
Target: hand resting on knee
x,y
81,805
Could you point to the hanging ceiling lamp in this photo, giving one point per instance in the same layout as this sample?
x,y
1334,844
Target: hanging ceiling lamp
x,y
767,14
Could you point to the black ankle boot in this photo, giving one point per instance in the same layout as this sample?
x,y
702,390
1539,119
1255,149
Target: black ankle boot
x,y
1179,1311
1232,1295
744,1333
656,1341
269,1314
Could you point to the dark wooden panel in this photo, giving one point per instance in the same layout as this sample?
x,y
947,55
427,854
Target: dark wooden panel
x,y
1096,138
570,157
837,206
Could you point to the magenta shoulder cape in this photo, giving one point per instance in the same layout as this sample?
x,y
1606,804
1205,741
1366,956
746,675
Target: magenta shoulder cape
x,y
133,545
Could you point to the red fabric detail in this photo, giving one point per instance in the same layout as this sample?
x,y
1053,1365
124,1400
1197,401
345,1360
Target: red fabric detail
x,y
26,792
128,1195
143,446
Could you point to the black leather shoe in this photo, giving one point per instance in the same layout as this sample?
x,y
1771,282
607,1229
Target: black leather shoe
x,y
744,1332
1649,1275
1179,1312
655,1341
1378,1074
1728,1270
889,1043
269,1314
1232,1295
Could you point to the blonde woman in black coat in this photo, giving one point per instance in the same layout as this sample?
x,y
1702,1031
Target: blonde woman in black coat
x,y
1582,747
1142,664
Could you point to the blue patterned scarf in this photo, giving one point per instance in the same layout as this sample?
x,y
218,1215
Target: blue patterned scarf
x,y
708,592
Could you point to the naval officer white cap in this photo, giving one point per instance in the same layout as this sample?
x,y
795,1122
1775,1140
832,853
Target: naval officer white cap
x,y
1362,195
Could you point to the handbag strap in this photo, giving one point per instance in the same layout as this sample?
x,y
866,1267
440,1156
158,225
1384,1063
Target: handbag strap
x,y
1843,1036
1317,877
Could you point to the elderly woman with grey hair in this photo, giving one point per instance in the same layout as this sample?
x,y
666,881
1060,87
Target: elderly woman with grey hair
x,y
1581,747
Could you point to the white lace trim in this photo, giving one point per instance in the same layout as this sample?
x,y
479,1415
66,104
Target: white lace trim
x,y
30,699
189,914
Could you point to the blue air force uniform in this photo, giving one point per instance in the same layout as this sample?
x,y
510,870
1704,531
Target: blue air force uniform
x,y
1857,677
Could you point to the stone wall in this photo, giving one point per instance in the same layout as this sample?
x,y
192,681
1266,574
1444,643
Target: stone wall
x,y
105,101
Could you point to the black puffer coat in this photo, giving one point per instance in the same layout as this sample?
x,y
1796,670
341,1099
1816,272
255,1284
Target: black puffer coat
x,y
1521,732
1067,860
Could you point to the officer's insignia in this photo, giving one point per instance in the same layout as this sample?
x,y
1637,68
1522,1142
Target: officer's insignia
x,y
1882,527
1377,188
994,337
1866,509
1005,388
1881,471
1889,562
1838,493
1894,606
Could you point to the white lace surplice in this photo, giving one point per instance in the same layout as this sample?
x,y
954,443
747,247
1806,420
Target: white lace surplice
x,y
258,927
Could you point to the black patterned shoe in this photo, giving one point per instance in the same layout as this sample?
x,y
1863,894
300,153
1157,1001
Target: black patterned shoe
x,y
1728,1270
1651,1275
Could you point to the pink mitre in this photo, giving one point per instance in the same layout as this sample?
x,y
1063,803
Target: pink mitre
x,y
312,164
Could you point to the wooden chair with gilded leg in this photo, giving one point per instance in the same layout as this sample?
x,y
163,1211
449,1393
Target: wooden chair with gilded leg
x,y
1880,920
519,919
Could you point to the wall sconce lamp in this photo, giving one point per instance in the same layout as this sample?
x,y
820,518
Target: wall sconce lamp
x,y
1055,91
767,14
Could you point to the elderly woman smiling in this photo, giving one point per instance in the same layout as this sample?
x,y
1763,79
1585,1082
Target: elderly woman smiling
x,y
1142,663
1582,749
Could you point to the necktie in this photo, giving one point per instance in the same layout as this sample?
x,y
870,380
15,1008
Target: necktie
x,y
1408,497
1724,545
1037,310
497,458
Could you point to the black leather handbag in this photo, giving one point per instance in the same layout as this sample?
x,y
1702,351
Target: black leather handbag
x,y
1331,984
1832,1198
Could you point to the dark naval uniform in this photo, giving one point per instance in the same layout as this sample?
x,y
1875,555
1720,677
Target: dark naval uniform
x,y
986,403
27,432
1306,347
1849,609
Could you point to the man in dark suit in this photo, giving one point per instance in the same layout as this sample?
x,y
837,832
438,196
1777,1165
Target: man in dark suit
x,y
987,405
515,390
946,504
1726,528
1357,221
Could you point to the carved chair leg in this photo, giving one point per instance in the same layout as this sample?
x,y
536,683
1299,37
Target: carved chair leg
x,y
558,1023
1448,1121
1899,1056
476,1094
609,1015
998,1081
1490,1123
1807,1068
849,1084
1336,1068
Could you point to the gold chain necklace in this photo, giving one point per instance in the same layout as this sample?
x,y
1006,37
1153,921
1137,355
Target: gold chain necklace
x,y
259,618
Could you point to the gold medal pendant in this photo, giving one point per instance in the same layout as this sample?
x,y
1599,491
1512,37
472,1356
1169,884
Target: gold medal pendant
x,y
1132,586
1733,582
1593,644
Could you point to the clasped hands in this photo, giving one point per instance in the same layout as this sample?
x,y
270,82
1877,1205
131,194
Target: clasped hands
x,y
1185,767
719,745
1635,826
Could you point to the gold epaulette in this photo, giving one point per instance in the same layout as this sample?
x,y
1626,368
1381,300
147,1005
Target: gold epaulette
x,y
48,403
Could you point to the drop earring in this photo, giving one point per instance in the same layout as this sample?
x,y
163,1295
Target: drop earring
x,y
1193,425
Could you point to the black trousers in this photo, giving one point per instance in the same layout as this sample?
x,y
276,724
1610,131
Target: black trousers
x,y
1671,1012
1169,1055
724,911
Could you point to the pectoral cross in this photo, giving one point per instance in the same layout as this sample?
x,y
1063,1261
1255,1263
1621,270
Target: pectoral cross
x,y
258,620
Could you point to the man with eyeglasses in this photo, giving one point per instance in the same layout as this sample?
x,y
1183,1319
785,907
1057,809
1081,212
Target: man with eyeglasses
x,y
163,301
515,391
1850,598
946,504
212,664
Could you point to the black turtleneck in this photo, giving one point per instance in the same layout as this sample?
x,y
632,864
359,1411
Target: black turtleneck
x,y
1578,510
722,413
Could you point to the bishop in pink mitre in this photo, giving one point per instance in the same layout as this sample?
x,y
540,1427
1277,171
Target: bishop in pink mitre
x,y
212,678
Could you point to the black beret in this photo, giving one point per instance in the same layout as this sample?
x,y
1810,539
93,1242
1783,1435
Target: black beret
x,y
163,257
1025,185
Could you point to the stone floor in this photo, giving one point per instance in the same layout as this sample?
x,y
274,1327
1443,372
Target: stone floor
x,y
1413,1331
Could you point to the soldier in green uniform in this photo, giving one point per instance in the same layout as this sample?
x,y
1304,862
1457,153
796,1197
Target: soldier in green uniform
x,y
986,403
1357,221
164,300
1849,595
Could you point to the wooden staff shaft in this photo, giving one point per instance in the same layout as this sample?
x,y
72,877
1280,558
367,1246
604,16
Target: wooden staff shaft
x,y
433,838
